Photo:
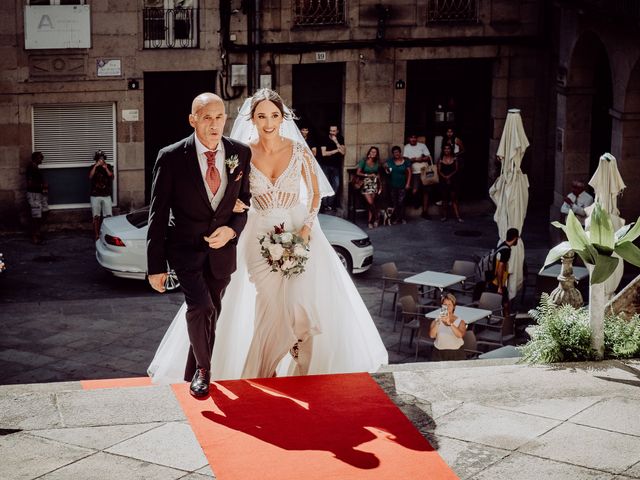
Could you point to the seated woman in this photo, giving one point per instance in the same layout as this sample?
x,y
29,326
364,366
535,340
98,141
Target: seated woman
x,y
448,330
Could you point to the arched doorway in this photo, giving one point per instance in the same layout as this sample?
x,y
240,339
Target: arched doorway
x,y
589,98
629,160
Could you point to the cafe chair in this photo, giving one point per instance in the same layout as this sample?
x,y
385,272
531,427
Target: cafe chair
x,y
412,290
472,346
409,317
488,301
468,270
422,334
498,332
391,278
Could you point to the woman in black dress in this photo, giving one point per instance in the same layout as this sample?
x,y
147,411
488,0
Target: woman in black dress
x,y
448,172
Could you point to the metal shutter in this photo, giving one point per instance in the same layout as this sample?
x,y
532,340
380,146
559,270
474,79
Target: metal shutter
x,y
69,134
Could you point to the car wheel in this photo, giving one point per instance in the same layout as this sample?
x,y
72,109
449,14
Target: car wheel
x,y
345,258
172,282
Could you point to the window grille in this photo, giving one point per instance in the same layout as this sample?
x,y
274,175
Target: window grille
x,y
453,11
319,12
170,27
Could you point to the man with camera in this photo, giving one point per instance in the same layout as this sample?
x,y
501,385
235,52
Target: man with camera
x,y
101,176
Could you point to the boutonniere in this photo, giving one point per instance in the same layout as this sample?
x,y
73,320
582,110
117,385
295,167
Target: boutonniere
x,y
232,162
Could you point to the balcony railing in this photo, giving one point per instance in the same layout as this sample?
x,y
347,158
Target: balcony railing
x,y
170,28
453,11
319,12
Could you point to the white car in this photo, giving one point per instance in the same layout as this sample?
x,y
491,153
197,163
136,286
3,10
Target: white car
x,y
121,248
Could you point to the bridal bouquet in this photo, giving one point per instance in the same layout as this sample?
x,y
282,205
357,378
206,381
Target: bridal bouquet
x,y
284,251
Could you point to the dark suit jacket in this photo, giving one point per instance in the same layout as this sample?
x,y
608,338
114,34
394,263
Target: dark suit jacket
x,y
178,187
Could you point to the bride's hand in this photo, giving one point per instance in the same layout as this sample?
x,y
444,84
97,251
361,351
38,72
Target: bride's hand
x,y
305,233
240,206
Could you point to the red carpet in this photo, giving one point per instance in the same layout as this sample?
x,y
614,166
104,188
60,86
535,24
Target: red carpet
x,y
115,383
315,427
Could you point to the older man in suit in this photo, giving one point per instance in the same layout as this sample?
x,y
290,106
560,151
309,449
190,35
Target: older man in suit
x,y
193,226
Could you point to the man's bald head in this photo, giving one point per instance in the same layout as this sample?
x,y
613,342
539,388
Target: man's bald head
x,y
207,118
204,99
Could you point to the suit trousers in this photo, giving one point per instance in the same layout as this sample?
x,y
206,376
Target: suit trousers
x,y
203,295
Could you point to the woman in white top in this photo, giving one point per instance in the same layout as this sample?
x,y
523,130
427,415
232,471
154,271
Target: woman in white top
x,y
448,330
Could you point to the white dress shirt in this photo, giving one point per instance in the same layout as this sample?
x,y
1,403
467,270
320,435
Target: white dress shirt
x,y
416,151
578,206
202,160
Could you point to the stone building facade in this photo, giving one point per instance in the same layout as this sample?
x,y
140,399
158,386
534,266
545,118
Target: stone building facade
x,y
380,70
598,96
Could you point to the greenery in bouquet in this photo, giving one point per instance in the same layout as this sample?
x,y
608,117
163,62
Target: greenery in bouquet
x,y
285,252
563,334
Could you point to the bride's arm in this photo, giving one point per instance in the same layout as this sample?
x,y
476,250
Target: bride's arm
x,y
313,195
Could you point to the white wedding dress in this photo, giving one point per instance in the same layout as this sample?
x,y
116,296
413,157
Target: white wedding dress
x,y
266,320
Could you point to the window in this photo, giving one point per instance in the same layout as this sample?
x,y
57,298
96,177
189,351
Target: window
x,y
68,135
56,2
319,12
170,24
453,11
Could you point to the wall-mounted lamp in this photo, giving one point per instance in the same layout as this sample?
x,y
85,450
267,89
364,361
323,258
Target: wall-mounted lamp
x,y
400,85
133,84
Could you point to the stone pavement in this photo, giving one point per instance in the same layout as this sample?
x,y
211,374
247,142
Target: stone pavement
x,y
487,419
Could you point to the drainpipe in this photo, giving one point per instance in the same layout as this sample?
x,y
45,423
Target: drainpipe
x,y
253,40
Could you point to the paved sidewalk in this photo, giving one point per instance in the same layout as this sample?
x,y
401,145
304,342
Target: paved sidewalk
x,y
488,420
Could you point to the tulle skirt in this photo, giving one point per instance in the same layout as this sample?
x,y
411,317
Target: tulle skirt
x,y
264,315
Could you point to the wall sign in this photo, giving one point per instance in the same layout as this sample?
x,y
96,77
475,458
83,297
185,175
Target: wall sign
x,y
57,26
131,115
109,67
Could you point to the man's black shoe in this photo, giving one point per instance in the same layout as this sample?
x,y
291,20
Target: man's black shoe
x,y
200,383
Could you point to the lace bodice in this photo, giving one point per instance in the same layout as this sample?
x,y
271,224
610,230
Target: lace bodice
x,y
284,192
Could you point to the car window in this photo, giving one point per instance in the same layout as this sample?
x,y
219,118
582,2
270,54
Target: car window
x,y
138,218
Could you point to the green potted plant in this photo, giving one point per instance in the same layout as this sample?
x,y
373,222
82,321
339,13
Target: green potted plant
x,y
563,334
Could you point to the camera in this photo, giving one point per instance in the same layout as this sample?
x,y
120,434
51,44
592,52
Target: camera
x,y
99,155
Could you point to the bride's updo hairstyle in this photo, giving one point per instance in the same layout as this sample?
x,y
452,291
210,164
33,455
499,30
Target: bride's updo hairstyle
x,y
271,95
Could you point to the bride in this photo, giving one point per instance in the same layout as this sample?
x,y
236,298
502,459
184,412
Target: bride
x,y
311,323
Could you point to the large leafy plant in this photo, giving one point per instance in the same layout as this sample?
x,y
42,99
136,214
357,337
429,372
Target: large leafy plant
x,y
601,249
597,246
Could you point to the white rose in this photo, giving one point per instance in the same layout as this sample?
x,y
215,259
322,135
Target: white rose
x,y
266,241
288,264
300,251
276,251
286,237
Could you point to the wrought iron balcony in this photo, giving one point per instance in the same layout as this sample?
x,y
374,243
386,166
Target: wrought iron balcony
x,y
452,11
319,12
170,28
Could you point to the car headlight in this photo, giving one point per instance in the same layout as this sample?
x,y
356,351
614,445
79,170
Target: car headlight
x,y
361,243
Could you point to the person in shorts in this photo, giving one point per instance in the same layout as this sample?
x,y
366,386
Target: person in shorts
x,y
37,197
499,283
101,176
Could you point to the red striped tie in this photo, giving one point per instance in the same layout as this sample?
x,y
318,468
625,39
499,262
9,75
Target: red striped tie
x,y
212,177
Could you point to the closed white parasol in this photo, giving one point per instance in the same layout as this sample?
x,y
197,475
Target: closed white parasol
x,y
510,192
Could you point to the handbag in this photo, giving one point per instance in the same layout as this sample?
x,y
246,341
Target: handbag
x,y
429,174
357,182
